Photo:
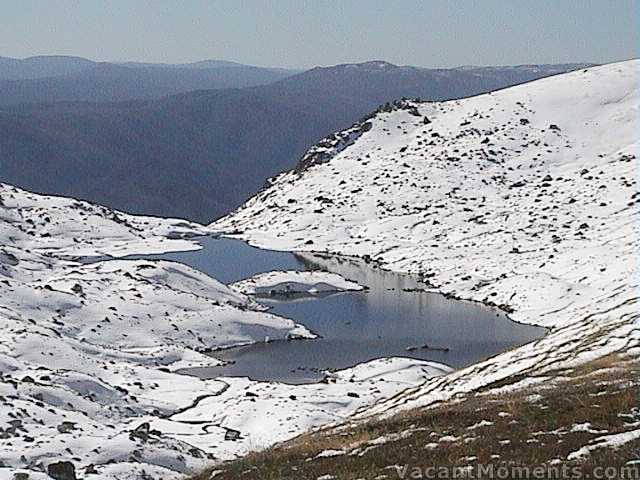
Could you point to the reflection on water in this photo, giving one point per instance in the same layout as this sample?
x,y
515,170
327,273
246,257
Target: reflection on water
x,y
386,320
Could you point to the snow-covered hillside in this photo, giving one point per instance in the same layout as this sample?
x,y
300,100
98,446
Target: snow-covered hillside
x,y
89,352
526,198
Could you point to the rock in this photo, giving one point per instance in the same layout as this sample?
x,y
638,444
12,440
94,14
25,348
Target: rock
x,y
15,425
438,349
196,453
62,471
231,435
413,111
141,432
90,470
66,427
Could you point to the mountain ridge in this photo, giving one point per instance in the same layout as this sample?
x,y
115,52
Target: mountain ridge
x,y
40,66
520,199
216,146
114,82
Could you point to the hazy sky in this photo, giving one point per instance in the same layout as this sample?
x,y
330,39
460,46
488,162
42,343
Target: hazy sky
x,y
304,33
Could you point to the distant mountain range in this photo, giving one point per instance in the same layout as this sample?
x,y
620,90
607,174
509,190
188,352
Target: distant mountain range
x,y
41,66
199,154
55,79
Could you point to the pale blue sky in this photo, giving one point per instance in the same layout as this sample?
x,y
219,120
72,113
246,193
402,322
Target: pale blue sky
x,y
304,33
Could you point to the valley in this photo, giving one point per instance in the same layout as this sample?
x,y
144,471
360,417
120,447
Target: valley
x,y
198,154
147,332
438,273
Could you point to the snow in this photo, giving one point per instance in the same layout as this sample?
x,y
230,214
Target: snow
x,y
294,282
482,423
526,198
612,441
586,427
90,352
264,413
330,453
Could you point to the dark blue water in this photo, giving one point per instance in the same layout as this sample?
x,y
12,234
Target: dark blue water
x,y
389,319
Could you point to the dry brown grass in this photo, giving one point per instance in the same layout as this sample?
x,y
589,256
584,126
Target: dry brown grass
x,y
529,427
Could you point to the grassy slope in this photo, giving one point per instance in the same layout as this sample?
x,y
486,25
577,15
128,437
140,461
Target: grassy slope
x,y
530,426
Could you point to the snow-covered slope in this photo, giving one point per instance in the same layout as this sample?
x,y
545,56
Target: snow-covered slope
x,y
89,351
525,198
65,227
